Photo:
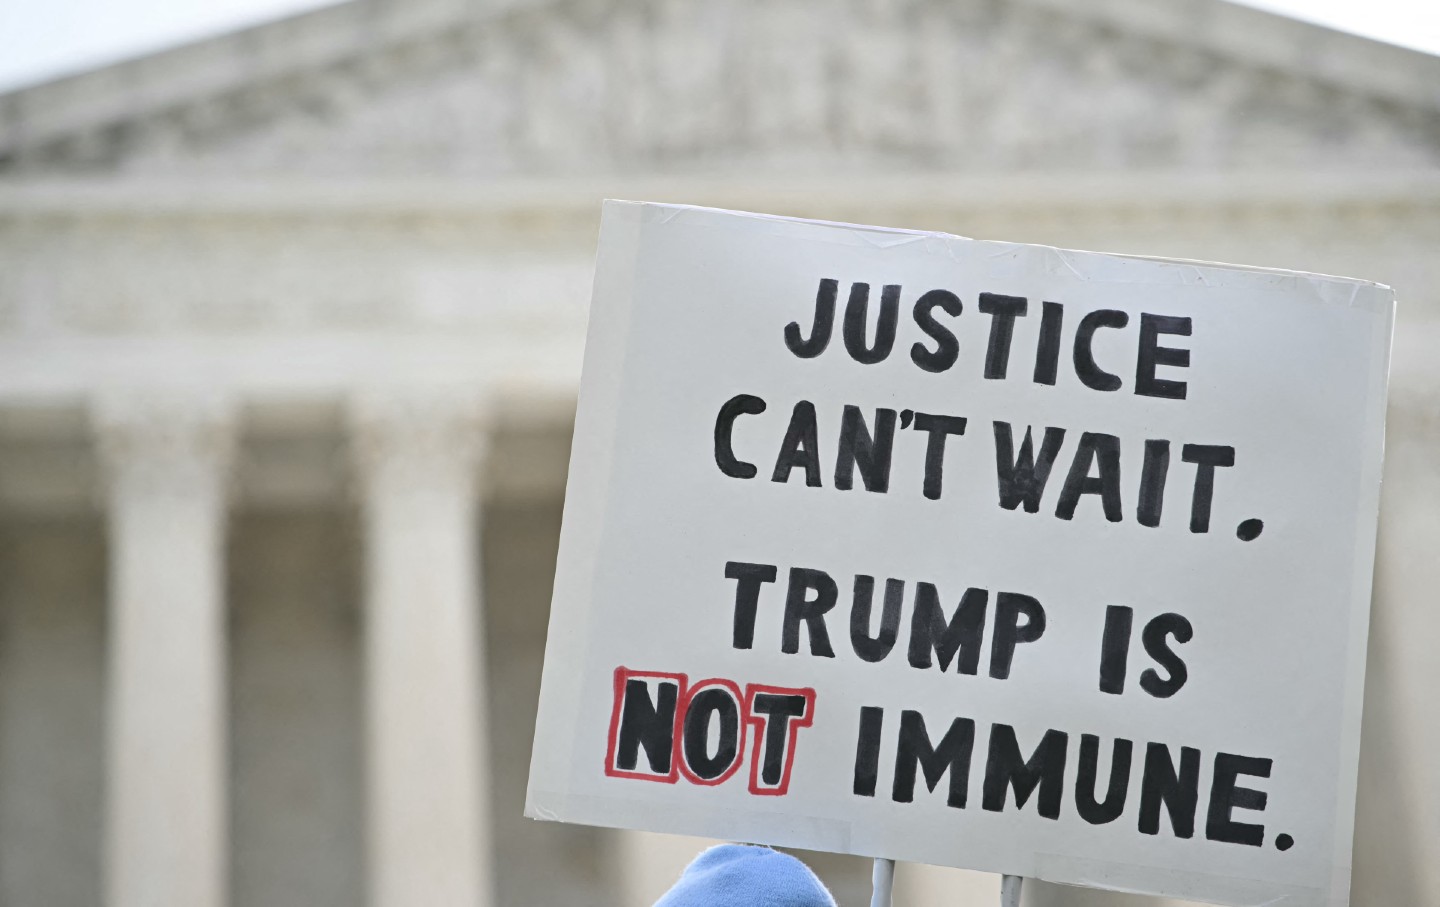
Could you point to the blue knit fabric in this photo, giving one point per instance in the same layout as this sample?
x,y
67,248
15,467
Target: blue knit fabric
x,y
735,875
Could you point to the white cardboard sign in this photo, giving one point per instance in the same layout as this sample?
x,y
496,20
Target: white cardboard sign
x,y
995,556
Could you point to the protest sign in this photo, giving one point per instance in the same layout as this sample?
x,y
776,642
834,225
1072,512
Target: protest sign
x,y
1047,563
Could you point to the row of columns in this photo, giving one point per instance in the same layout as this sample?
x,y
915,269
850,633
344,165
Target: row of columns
x,y
166,463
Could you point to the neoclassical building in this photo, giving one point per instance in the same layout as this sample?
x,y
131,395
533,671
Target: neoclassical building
x,y
291,323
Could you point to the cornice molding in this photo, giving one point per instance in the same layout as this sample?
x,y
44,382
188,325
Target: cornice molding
x,y
1277,195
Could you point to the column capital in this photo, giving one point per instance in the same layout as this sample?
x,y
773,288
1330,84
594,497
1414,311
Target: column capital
x,y
419,439
164,441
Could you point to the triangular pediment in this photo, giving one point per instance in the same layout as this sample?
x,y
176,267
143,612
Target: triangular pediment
x,y
647,86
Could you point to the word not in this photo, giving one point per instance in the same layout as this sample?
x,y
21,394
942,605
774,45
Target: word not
x,y
1164,784
709,720
1003,312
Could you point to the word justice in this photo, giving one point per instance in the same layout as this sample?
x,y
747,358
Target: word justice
x,y
940,348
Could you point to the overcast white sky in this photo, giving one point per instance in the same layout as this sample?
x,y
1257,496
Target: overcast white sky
x,y
41,39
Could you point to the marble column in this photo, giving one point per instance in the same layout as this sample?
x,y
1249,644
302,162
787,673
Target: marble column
x,y
418,460
166,461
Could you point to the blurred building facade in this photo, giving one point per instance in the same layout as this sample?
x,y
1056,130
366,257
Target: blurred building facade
x,y
291,324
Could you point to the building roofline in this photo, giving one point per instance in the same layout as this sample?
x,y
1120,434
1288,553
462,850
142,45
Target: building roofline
x,y
1276,42
255,58
230,64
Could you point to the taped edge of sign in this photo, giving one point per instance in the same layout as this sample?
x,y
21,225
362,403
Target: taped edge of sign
x,y
1053,868
1238,891
1371,487
1082,264
675,211
587,491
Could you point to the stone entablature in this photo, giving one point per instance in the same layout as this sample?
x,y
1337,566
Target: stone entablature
x,y
513,262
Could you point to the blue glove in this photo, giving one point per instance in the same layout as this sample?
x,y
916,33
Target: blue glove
x,y
734,875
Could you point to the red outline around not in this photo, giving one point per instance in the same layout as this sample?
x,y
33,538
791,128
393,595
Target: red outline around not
x,y
795,725
621,676
683,709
